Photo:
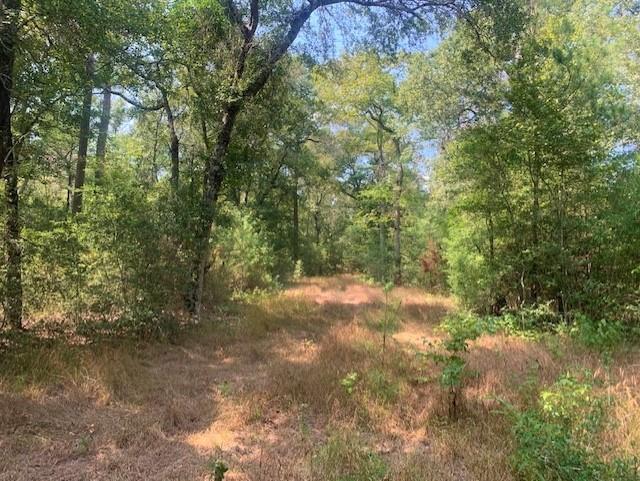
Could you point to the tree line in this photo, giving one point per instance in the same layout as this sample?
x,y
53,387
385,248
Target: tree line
x,y
157,153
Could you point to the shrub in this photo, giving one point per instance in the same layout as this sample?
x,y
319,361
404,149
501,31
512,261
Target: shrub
x,y
243,254
470,275
382,386
461,328
112,263
298,271
602,335
349,382
558,440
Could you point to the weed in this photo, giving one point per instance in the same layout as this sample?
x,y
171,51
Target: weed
x,y
381,386
345,458
349,382
225,389
217,469
557,441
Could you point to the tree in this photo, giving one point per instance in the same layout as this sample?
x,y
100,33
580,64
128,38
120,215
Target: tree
x,y
83,142
528,173
9,15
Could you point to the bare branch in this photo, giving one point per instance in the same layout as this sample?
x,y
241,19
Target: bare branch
x,y
138,104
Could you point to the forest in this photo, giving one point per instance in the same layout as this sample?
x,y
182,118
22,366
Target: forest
x,y
338,240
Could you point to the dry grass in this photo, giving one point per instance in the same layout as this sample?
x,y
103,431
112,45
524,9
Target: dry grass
x,y
261,390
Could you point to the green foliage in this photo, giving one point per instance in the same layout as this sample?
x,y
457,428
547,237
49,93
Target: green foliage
x,y
574,404
298,271
113,263
469,273
533,182
244,256
559,440
217,468
349,382
461,329
604,335
344,458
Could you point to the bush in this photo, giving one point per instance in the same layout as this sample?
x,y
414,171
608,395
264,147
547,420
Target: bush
x,y
461,329
470,276
112,263
602,335
243,253
558,440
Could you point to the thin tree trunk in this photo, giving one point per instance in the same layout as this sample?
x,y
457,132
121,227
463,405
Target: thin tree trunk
x,y
296,220
397,217
103,133
83,143
174,142
70,173
13,287
382,234
154,155
535,179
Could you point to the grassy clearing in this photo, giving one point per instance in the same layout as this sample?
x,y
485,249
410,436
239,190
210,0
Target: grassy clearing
x,y
292,386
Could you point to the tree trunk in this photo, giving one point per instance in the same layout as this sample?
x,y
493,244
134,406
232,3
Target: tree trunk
x,y
296,221
397,218
535,214
83,143
70,173
381,172
13,287
154,154
103,133
9,11
174,143
213,176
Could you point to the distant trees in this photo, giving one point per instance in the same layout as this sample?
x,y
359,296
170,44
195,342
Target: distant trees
x,y
361,95
261,35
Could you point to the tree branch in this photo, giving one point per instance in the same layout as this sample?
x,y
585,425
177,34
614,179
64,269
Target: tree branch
x,y
137,103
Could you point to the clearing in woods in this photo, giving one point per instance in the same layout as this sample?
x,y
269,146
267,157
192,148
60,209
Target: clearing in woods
x,y
275,389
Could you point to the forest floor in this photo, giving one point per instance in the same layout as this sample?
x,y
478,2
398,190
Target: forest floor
x,y
266,390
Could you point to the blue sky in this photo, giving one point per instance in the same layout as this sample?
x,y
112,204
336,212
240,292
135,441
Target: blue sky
x,y
330,32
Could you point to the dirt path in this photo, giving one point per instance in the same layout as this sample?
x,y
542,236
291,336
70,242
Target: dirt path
x,y
260,400
283,388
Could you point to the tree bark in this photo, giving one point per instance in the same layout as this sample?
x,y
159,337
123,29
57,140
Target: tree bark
x,y
174,142
296,221
214,175
83,143
103,133
9,11
154,155
397,216
13,245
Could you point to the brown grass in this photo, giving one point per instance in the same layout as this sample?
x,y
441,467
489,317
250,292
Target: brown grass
x,y
261,389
